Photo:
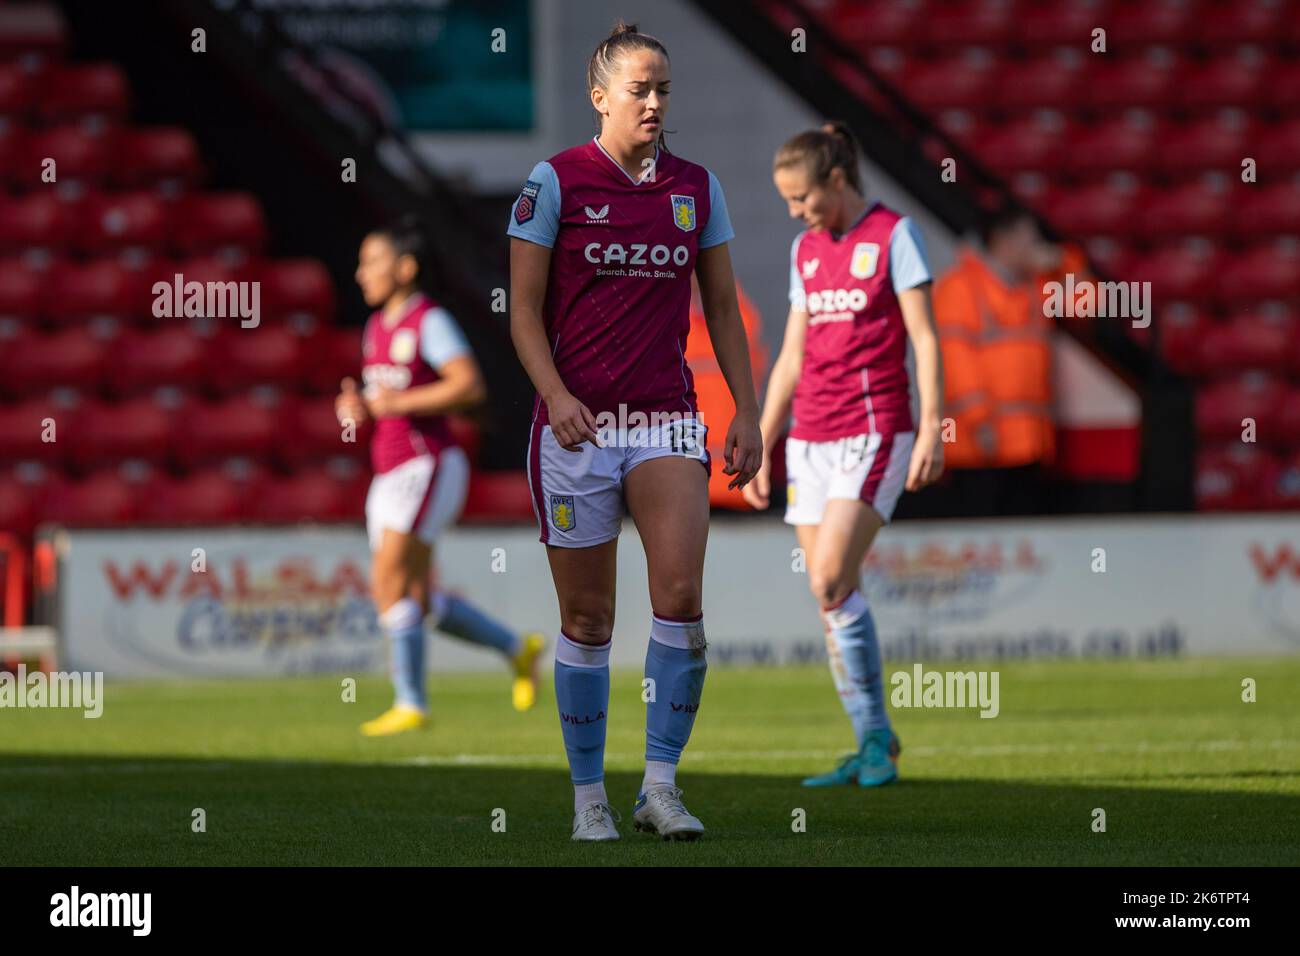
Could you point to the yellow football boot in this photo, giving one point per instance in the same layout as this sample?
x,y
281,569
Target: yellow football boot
x,y
395,720
524,691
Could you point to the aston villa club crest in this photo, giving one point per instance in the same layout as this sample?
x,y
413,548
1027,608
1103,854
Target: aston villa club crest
x,y
401,349
563,517
865,256
527,204
683,212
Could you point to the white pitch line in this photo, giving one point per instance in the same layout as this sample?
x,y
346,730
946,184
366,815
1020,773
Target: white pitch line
x,y
488,760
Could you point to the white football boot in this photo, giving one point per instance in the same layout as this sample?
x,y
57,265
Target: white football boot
x,y
659,810
594,823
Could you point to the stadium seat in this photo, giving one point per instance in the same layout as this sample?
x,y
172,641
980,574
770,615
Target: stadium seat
x,y
1261,210
18,506
100,288
1040,83
498,496
1132,142
80,156
1192,209
1057,24
315,435
1227,23
1222,405
968,23
335,355
1226,80
24,426
1284,492
1231,477
1176,272
956,83
1276,149
13,154
115,222
210,223
1094,209
1214,143
207,496
36,221
313,494
161,156
105,498
74,357
1282,88
1144,22
1266,271
202,270
78,92
1028,143
17,93
263,355
104,433
881,22
20,291
296,288
143,360
208,432
1183,330
1122,82
1250,341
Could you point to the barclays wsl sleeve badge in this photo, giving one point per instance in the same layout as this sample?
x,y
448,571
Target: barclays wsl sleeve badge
x,y
684,212
527,202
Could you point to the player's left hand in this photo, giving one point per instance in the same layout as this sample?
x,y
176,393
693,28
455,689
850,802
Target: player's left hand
x,y
384,403
743,450
927,459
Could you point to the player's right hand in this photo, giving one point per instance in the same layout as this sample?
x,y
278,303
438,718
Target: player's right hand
x,y
571,422
758,493
349,404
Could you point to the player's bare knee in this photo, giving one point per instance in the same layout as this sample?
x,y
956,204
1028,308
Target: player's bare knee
x,y
587,627
828,587
677,598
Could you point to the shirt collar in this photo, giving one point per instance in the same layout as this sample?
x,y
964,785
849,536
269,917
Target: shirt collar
x,y
635,182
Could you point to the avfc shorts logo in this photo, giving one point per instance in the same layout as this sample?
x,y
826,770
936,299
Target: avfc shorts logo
x,y
865,256
527,202
562,514
683,212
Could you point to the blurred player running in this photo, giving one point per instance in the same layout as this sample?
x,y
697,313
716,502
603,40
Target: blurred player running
x,y
417,367
859,289
605,238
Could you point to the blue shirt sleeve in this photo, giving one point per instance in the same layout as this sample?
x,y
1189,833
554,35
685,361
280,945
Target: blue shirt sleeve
x,y
441,339
538,219
908,264
718,229
798,297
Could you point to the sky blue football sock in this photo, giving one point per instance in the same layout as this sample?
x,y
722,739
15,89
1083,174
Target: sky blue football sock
x,y
676,662
582,694
404,625
855,664
454,615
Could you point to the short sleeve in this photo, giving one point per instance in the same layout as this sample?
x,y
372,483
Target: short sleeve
x,y
535,216
718,229
441,339
908,263
798,298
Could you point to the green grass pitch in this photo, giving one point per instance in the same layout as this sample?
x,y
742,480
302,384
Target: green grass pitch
x,y
1186,772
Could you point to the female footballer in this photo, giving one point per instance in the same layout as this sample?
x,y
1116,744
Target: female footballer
x,y
417,367
605,237
859,290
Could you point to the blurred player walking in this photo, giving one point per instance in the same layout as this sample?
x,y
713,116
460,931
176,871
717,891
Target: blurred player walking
x,y
417,367
606,236
859,290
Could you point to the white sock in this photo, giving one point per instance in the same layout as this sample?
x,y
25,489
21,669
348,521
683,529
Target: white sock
x,y
658,773
585,794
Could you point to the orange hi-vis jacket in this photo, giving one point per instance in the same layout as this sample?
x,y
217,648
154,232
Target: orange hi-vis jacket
x,y
997,366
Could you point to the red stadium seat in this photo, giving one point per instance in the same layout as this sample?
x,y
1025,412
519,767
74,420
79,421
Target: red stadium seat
x,y
106,434
24,426
1196,209
334,354
1229,80
296,288
207,496
1104,209
1284,492
1231,22
218,222
1043,82
1064,23
1221,406
1261,210
1276,149
1282,88
1144,22
1250,341
17,92
1267,271
881,22
159,156
316,435
18,503
208,432
1218,142
965,82
1030,143
37,221
1183,271
1132,142
20,290
199,269
13,154
1183,329
310,495
73,357
969,23
75,291
70,93
112,223
1232,477
1115,83
79,155
498,496
102,499
1287,434
174,355
264,355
